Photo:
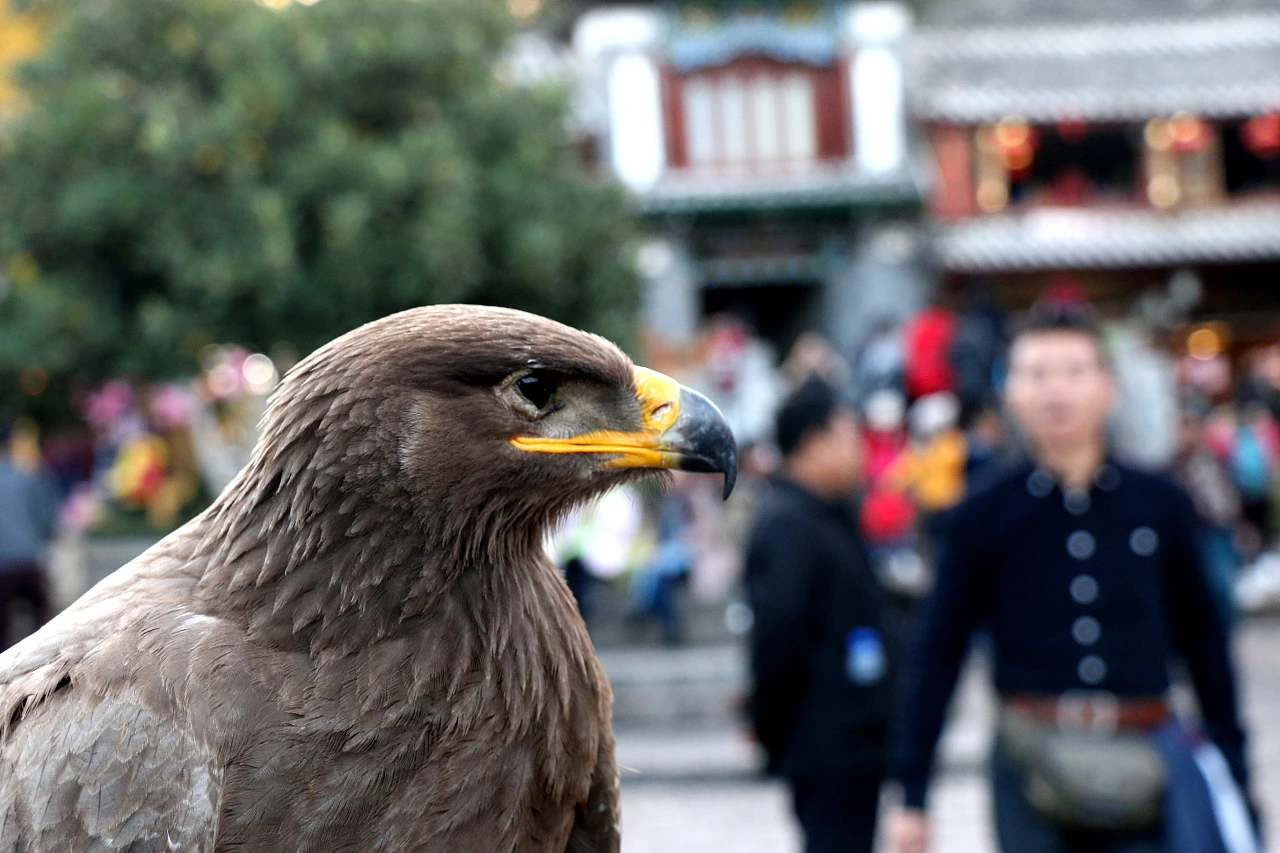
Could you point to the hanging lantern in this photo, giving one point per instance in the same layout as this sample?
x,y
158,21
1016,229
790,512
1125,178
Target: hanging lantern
x,y
1158,136
1261,135
1016,143
992,191
1207,340
1188,133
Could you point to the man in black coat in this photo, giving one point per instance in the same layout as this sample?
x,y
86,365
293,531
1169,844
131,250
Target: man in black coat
x,y
1084,572
821,647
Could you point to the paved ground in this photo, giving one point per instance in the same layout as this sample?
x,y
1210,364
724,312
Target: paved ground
x,y
694,792
754,817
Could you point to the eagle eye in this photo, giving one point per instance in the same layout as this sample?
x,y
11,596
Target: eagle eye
x,y
538,387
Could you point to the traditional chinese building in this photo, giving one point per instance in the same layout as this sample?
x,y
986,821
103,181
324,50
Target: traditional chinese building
x,y
765,146
1127,143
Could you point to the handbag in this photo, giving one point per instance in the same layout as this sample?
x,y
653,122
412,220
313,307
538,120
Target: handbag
x,y
1085,779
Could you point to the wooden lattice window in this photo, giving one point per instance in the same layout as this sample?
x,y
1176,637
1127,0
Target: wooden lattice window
x,y
756,114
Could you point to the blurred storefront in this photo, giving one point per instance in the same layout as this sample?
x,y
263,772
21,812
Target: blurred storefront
x,y
766,147
1132,145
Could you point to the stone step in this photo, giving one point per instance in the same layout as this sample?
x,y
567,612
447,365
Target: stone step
x,y
676,713
700,685
614,625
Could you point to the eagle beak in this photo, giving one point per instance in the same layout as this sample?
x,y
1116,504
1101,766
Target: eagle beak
x,y
681,430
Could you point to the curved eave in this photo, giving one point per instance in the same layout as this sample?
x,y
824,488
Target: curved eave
x,y
971,106
1082,239
1225,65
682,196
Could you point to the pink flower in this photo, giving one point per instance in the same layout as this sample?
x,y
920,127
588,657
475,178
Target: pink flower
x,y
171,407
108,403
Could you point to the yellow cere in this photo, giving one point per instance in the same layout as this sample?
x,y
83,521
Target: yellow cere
x,y
659,398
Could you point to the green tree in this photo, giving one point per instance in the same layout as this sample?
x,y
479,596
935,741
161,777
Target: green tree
x,y
192,171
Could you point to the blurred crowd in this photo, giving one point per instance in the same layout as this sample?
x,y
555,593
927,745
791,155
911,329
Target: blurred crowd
x,y
859,551
1082,571
927,393
142,457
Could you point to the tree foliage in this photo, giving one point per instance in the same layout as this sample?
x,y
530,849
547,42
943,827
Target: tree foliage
x,y
192,171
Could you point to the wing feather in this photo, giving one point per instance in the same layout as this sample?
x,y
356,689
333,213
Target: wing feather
x,y
597,823
83,772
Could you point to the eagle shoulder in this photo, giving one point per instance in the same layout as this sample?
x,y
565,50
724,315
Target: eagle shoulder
x,y
95,751
85,772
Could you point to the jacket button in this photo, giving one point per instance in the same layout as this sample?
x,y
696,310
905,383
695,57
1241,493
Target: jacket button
x,y
1092,669
1039,483
1084,589
1076,501
1086,630
1080,544
1144,541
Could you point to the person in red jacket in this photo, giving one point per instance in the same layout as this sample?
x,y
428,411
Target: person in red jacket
x,y
927,339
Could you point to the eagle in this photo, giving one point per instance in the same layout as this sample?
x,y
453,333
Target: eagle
x,y
361,644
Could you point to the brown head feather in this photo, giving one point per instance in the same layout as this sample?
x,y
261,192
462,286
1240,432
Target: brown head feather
x,y
349,507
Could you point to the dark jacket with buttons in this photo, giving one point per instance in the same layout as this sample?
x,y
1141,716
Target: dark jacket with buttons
x,y
812,591
1087,590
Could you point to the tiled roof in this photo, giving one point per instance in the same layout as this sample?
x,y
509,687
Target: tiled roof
x,y
1089,239
684,192
1117,70
972,12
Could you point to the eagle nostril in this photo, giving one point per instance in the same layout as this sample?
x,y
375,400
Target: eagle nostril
x,y
660,412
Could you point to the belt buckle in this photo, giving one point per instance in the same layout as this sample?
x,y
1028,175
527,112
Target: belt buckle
x,y
1095,711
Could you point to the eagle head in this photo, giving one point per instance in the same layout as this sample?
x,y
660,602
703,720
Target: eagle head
x,y
482,417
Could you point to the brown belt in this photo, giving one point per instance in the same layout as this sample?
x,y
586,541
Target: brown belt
x,y
1090,710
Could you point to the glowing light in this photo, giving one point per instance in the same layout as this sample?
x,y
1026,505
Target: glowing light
x,y
1157,135
524,10
1189,133
1203,344
259,373
223,380
1013,132
1261,135
1019,159
1015,141
992,196
1163,191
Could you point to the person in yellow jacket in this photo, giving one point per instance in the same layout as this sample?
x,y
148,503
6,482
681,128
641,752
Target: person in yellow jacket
x,y
931,467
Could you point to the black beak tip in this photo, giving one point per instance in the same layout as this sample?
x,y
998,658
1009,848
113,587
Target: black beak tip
x,y
730,477
709,445
730,470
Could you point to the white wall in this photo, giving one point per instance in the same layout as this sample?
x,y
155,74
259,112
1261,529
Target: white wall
x,y
874,31
879,130
620,95
636,149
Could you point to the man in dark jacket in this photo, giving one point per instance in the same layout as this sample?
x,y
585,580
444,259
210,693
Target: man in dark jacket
x,y
821,650
1084,572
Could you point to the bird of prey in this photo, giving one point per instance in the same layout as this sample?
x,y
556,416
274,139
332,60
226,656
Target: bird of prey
x,y
361,645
